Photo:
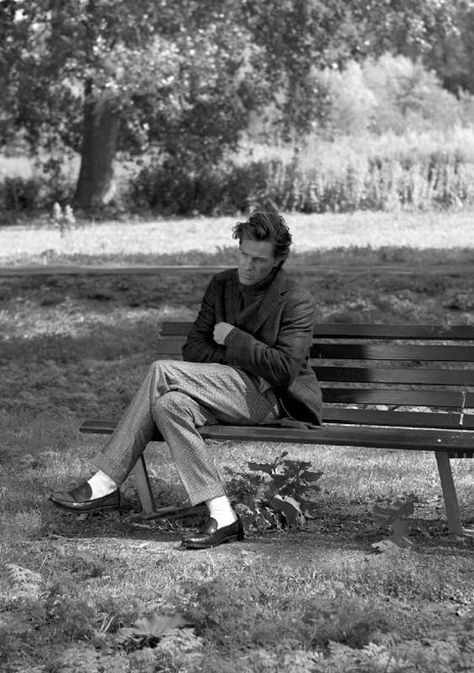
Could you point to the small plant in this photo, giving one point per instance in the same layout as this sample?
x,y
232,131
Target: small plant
x,y
398,515
147,631
274,494
63,219
67,616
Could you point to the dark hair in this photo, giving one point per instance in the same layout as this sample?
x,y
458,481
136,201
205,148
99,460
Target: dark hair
x,y
266,226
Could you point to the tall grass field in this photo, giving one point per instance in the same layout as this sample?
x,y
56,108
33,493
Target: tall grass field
x,y
114,592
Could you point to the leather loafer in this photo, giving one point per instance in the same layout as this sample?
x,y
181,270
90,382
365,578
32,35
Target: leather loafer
x,y
79,500
211,536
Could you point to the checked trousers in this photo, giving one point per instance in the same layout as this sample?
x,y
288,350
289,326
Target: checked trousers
x,y
179,397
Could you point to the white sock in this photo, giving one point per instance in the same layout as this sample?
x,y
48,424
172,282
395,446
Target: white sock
x,y
101,484
221,510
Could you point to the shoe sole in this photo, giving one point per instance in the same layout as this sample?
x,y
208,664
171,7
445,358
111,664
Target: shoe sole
x,y
196,545
85,511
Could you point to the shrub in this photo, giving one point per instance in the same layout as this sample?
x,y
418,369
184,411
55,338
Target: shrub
x,y
416,171
23,195
169,189
19,194
172,190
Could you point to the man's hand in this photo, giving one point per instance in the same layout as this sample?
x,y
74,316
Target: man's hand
x,y
221,330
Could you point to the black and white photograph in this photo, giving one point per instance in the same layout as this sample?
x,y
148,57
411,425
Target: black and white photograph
x,y
237,336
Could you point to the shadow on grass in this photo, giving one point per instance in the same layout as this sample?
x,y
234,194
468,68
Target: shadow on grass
x,y
99,342
107,525
337,532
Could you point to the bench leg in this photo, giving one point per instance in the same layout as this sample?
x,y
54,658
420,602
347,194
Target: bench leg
x,y
142,481
449,494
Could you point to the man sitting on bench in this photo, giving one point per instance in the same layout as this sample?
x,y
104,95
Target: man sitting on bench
x,y
245,363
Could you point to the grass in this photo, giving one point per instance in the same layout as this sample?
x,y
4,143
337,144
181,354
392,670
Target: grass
x,y
97,594
71,587
195,238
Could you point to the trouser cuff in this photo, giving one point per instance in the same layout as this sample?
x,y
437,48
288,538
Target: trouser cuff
x,y
115,471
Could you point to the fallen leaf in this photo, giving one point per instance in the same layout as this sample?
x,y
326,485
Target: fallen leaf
x,y
387,513
288,506
400,533
155,625
385,546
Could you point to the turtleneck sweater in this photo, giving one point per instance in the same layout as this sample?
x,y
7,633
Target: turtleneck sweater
x,y
250,297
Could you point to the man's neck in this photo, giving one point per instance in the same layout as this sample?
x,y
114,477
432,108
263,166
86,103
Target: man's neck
x,y
260,286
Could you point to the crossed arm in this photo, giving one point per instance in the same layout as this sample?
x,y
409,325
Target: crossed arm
x,y
278,362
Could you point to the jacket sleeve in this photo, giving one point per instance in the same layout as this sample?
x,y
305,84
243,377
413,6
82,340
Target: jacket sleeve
x,y
280,363
200,345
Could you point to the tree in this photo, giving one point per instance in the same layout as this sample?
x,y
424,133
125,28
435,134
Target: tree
x,y
453,57
298,36
98,76
137,71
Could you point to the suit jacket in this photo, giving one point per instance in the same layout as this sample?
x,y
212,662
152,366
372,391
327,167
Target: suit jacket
x,y
277,347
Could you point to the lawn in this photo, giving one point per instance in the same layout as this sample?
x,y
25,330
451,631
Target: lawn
x,y
113,592
197,237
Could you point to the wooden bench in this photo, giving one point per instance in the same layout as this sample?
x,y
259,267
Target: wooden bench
x,y
405,387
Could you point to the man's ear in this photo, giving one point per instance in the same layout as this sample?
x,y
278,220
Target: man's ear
x,y
279,259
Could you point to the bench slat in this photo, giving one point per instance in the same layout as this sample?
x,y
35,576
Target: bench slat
x,y
360,331
407,419
436,398
170,346
416,439
408,375
179,329
469,403
98,426
468,421
422,353
173,345
346,416
394,331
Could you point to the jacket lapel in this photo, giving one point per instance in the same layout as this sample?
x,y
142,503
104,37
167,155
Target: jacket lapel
x,y
231,299
271,299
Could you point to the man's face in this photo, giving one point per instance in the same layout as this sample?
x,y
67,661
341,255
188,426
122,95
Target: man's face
x,y
256,260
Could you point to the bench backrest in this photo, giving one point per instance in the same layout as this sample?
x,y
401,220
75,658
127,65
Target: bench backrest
x,y
394,375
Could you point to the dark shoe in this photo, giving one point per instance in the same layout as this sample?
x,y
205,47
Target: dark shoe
x,y
211,536
79,499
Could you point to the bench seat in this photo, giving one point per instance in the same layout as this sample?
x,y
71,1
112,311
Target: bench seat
x,y
458,444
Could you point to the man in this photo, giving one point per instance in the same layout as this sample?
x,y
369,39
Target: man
x,y
245,362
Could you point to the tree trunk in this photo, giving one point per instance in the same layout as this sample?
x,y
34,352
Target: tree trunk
x,y
95,185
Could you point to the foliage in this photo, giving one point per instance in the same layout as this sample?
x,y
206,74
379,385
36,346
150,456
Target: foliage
x,y
452,57
414,172
180,79
411,172
170,189
389,94
296,38
171,72
357,635
281,498
390,138
31,194
147,631
63,219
